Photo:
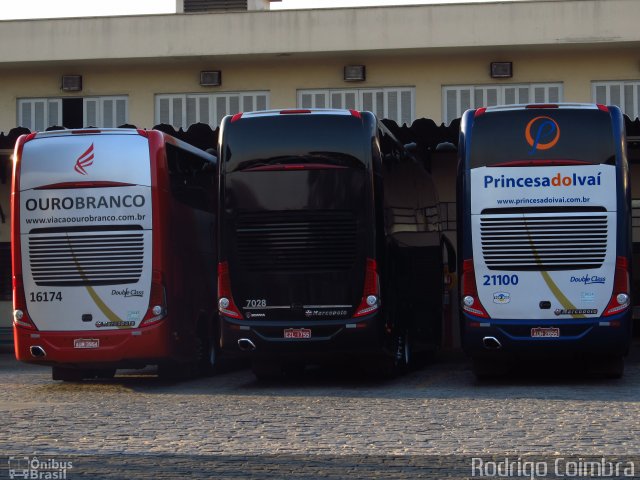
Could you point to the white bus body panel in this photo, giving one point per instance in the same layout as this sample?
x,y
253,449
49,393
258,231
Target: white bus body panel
x,y
510,293
86,252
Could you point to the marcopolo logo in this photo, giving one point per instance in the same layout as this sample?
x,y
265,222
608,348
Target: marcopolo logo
x,y
84,160
542,133
557,180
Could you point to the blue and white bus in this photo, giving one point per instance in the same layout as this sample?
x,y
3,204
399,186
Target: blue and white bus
x,y
544,235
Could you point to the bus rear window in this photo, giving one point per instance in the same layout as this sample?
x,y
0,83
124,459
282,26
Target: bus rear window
x,y
334,140
541,136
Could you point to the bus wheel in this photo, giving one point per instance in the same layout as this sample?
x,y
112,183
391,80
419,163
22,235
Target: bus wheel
x,y
104,373
608,367
67,374
207,360
174,371
207,356
486,368
390,365
266,370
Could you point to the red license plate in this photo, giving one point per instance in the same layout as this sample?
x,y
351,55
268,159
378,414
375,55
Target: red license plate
x,y
86,343
541,332
297,333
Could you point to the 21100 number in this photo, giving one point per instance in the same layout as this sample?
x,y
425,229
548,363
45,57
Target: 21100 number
x,y
500,280
46,296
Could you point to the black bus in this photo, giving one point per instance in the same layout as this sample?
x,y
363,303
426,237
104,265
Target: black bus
x,y
330,241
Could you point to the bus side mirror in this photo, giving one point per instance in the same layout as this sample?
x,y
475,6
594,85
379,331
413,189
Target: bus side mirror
x,y
446,147
411,147
411,150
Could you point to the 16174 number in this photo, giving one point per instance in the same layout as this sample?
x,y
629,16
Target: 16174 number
x,y
46,296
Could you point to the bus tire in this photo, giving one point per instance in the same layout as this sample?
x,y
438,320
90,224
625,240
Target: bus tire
x,y
267,370
104,373
67,374
404,351
206,361
174,371
488,368
611,367
398,361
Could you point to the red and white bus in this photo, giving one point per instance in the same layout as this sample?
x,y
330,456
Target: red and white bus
x,y
113,252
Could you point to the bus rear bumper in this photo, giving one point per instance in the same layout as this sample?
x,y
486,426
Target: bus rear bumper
x,y
110,348
600,336
270,338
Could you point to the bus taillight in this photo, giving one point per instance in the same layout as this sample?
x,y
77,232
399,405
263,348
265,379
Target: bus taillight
x,y
157,301
470,301
371,295
20,315
226,305
620,299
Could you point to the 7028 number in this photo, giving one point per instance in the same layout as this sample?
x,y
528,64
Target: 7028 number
x,y
500,279
46,296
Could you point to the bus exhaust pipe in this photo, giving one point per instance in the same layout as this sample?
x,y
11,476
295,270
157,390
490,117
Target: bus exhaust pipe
x,y
491,343
246,345
38,352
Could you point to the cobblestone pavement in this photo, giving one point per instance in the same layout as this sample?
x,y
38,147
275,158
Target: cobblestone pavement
x,y
438,412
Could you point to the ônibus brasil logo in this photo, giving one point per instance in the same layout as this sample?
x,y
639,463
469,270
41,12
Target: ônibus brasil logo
x,y
547,133
84,160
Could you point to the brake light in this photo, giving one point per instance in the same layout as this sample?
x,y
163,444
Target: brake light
x,y
157,301
620,299
603,108
294,166
98,184
20,315
293,112
542,105
470,301
355,113
236,117
85,132
538,163
480,111
226,305
371,294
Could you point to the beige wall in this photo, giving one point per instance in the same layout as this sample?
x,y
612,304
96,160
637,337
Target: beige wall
x,y
575,68
375,29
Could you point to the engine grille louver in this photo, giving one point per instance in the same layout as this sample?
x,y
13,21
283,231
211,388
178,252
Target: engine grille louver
x,y
543,242
297,241
94,257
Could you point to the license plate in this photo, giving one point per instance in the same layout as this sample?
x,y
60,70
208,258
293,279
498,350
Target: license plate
x,y
552,332
297,333
86,343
